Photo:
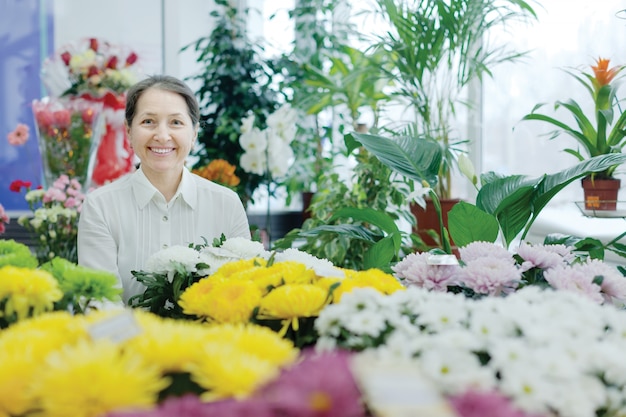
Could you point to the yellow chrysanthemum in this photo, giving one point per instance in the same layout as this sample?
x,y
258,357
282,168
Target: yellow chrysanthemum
x,y
91,379
226,302
372,278
17,370
293,272
25,347
226,372
173,353
230,268
256,340
291,302
27,291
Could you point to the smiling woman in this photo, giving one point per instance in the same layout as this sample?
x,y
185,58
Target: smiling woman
x,y
161,204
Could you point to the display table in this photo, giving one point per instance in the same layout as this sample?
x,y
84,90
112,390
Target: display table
x,y
567,219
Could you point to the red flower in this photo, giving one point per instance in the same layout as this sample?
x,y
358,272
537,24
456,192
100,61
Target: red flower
x,y
44,118
16,186
112,63
66,56
132,58
93,70
93,44
62,118
603,74
88,115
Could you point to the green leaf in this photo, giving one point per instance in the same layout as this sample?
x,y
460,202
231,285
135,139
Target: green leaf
x,y
417,157
380,254
482,227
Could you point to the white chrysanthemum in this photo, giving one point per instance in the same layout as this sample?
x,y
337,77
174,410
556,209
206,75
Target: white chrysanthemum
x,y
322,267
165,260
245,248
366,322
454,370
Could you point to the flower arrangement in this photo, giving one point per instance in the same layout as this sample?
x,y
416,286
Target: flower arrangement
x,y
91,66
548,352
605,132
486,269
69,135
136,372
237,281
54,219
219,171
28,289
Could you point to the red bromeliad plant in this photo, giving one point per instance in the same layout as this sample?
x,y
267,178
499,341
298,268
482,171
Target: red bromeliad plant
x,y
601,134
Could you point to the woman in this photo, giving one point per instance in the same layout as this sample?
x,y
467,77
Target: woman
x,y
162,203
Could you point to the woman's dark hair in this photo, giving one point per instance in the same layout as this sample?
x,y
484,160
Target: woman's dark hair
x,y
162,82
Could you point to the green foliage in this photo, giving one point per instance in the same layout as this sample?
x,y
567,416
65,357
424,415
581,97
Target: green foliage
x,y
235,81
437,47
355,227
513,202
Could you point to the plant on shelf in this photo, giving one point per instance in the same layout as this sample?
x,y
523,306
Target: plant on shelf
x,y
506,206
602,134
234,81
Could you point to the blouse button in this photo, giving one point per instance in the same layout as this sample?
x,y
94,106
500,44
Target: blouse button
x,y
164,218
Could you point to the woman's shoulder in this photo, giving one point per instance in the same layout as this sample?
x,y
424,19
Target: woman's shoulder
x,y
120,185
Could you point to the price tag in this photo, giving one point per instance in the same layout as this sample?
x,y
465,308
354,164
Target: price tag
x,y
397,388
442,260
118,328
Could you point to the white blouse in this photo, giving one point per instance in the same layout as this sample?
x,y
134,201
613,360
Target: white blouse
x,y
121,224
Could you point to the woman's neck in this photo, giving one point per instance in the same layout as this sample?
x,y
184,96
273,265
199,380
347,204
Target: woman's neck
x,y
166,182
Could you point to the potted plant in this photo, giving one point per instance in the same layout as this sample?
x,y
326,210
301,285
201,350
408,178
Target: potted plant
x,y
602,134
235,82
438,48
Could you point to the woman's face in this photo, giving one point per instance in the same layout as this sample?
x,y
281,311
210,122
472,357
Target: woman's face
x,y
162,133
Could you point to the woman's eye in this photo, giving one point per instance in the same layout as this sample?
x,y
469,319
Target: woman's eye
x,y
147,121
177,122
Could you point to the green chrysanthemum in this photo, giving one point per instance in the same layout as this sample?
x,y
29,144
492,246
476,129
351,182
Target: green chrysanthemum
x,y
16,254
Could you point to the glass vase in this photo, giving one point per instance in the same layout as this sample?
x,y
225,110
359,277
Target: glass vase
x,y
114,157
68,134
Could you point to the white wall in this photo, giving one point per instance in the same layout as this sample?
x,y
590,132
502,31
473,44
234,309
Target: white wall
x,y
156,29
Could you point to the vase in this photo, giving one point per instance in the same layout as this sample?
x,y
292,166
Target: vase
x,y
114,157
69,132
601,194
428,222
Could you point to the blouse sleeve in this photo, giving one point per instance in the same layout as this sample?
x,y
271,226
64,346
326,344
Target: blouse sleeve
x,y
96,247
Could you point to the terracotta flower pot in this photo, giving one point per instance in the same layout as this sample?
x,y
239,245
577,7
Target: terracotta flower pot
x,y
601,194
427,219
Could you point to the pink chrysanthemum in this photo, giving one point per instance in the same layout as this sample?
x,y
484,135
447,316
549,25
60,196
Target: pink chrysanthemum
x,y
544,256
486,404
576,279
613,284
490,276
476,250
321,385
4,219
414,270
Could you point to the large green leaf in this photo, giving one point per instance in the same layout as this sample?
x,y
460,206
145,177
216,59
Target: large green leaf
x,y
467,223
380,255
414,157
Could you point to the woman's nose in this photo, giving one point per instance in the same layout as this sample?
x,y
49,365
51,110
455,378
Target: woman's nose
x,y
162,131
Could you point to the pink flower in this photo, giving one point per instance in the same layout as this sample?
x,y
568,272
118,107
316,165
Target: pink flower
x,y
576,279
477,250
62,118
490,276
486,404
44,117
544,256
321,385
4,219
415,271
19,136
613,284
54,194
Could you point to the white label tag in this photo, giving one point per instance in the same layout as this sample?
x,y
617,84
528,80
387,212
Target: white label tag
x,y
397,389
442,260
118,328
